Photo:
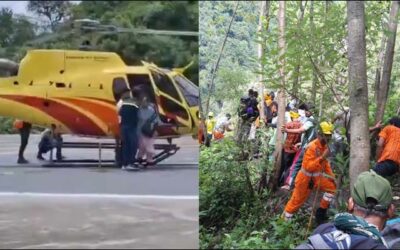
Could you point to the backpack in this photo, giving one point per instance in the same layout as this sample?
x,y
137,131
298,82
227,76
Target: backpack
x,y
150,126
334,239
391,233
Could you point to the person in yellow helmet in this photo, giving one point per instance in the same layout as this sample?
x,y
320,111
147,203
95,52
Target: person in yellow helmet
x,y
210,125
290,147
315,173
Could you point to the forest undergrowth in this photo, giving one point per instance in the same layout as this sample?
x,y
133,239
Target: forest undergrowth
x,y
236,213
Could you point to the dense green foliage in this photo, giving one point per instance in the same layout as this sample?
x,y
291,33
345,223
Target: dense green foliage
x,y
235,68
232,213
315,43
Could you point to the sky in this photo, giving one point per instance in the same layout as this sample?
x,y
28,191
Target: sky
x,y
18,7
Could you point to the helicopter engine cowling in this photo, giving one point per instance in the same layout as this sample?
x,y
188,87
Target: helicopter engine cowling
x,y
8,65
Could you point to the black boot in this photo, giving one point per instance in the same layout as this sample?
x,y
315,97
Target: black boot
x,y
40,157
321,215
22,160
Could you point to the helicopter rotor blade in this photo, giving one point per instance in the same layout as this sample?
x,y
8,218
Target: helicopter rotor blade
x,y
114,30
48,38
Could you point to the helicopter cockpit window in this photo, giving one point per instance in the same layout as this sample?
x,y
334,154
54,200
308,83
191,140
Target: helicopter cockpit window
x,y
189,90
165,85
119,86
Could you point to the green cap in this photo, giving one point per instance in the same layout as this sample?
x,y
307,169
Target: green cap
x,y
371,185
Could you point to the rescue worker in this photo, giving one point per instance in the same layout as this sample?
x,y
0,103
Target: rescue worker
x,y
210,125
223,125
291,145
50,138
24,129
388,150
248,113
128,115
315,173
308,134
369,207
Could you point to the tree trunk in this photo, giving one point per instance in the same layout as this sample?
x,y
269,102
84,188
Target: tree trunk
x,y
315,78
214,72
295,86
265,7
358,88
281,98
378,72
388,62
314,88
321,103
264,13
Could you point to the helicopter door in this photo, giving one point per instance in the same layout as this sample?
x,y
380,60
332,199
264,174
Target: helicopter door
x,y
171,103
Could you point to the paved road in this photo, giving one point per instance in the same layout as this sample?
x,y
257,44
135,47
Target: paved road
x,y
97,207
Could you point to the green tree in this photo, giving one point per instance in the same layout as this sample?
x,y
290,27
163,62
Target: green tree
x,y
54,11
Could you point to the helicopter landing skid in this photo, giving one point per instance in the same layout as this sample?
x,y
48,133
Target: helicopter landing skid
x,y
167,150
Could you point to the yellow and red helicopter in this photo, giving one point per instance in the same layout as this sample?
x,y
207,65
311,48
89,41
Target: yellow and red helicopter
x,y
78,90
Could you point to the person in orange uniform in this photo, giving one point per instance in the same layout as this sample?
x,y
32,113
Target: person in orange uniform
x,y
315,173
388,150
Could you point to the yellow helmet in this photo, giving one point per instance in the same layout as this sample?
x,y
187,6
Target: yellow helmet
x,y
326,128
210,114
294,115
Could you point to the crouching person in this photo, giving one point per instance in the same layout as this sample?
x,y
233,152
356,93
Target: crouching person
x,y
369,206
50,139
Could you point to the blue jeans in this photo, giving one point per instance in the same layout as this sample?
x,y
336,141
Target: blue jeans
x,y
129,140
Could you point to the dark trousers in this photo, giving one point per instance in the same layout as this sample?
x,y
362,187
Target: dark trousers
x,y
297,166
386,168
286,163
129,140
208,140
24,133
47,143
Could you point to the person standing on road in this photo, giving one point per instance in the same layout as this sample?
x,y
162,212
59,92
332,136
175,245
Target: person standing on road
x,y
148,120
128,115
24,129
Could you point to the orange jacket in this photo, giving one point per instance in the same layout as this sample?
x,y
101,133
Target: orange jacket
x,y
313,162
391,148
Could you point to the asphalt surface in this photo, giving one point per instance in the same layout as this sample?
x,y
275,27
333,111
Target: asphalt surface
x,y
92,207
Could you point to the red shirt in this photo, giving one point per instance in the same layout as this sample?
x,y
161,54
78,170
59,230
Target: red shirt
x,y
292,138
